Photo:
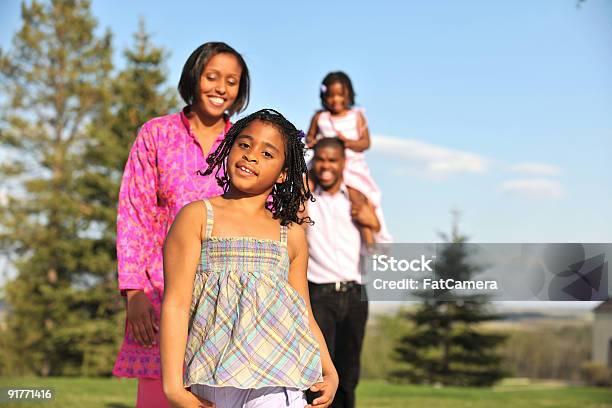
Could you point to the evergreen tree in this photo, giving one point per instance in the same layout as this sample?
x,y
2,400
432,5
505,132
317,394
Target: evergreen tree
x,y
67,130
446,345
54,80
138,94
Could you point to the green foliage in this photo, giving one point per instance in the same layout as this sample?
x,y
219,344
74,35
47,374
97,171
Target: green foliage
x,y
537,349
445,345
547,350
137,95
382,334
56,79
66,128
597,374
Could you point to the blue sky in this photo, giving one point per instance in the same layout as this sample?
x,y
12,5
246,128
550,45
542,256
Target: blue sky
x,y
502,110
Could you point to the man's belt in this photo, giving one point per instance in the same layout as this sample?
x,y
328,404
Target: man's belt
x,y
343,286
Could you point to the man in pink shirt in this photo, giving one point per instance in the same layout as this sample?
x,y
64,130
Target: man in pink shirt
x,y
337,295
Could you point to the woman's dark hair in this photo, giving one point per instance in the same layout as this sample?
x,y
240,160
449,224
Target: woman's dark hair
x,y
189,84
289,197
337,77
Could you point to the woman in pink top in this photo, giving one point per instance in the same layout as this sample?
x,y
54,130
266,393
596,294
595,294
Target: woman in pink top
x,y
162,174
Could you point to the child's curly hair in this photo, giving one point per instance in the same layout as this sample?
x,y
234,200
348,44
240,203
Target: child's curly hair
x,y
341,78
289,197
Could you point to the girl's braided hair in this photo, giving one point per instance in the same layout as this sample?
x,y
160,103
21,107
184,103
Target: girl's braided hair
x,y
289,197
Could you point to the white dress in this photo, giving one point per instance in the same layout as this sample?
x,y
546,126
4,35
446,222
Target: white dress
x,y
356,171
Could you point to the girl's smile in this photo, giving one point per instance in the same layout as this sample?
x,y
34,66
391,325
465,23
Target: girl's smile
x,y
256,159
246,169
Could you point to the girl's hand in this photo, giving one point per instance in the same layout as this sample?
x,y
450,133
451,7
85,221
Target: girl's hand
x,y
142,322
187,399
311,136
327,388
364,215
342,137
310,142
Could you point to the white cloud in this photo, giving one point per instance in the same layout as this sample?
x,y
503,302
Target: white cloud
x,y
419,158
533,187
535,169
435,161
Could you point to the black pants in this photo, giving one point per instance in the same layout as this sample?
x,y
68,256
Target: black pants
x,y
342,318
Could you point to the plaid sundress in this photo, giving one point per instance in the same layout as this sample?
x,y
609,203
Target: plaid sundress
x,y
248,327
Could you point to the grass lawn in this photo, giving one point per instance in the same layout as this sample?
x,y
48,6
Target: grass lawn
x,y
115,393
373,394
77,392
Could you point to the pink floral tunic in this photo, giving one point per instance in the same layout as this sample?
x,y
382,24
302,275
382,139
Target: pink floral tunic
x,y
160,177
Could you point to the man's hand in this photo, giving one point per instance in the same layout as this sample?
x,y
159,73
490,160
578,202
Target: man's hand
x,y
141,318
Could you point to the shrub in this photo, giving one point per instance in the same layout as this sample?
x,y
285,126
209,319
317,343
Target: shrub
x,y
596,374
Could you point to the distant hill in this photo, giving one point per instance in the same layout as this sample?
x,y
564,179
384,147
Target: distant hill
x,y
512,314
539,315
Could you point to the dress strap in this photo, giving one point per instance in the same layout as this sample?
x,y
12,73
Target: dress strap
x,y
284,234
209,218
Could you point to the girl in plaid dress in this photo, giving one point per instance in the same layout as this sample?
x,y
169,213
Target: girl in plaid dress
x,y
237,329
160,177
